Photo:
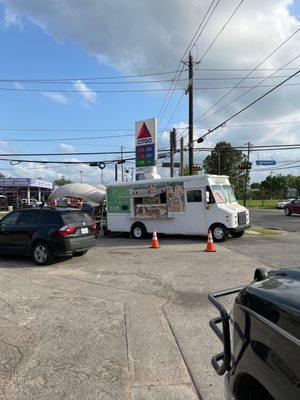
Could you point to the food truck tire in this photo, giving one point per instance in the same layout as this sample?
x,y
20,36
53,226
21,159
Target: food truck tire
x,y
138,231
219,232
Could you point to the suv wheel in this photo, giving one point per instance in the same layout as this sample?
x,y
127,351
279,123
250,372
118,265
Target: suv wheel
x,y
138,231
287,211
41,254
219,233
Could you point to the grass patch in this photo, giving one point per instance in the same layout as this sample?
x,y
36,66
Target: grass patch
x,y
259,203
259,230
2,214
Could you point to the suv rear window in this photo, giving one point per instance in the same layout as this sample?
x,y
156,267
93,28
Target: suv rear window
x,y
76,217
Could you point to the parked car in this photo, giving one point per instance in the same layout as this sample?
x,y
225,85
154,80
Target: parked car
x,y
280,205
293,207
47,233
261,362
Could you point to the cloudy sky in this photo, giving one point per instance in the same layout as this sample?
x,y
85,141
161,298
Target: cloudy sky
x,y
74,42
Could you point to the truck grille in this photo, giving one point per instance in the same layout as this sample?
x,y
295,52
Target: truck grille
x,y
242,218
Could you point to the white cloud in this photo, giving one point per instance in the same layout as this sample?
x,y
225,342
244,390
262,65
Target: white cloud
x,y
57,97
18,85
87,94
151,35
66,147
11,18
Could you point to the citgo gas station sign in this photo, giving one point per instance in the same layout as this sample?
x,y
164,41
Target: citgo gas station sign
x,y
145,144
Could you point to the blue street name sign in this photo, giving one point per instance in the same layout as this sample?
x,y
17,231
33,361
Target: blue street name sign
x,y
265,162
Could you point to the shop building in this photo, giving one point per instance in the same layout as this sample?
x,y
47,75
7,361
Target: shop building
x,y
16,189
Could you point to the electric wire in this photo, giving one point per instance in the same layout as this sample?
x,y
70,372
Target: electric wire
x,y
251,71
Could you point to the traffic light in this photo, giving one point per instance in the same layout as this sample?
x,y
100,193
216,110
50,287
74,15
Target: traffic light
x,y
196,168
245,165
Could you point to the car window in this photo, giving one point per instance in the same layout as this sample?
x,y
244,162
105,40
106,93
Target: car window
x,y
51,218
75,217
10,219
30,218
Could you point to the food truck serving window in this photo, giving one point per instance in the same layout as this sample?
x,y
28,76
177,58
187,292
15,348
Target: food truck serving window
x,y
194,196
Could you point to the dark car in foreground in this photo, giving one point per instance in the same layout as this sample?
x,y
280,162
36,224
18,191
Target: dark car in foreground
x,y
47,233
293,207
261,337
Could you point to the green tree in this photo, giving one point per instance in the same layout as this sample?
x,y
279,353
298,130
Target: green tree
x,y
255,185
224,159
1,175
62,181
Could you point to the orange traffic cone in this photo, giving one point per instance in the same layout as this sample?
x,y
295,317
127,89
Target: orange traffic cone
x,y
154,244
210,247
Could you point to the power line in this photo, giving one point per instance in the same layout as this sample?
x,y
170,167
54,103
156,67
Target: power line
x,y
258,85
250,105
5,89
134,82
65,139
180,67
88,78
220,31
251,71
207,50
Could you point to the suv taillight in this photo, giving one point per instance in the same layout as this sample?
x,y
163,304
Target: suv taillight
x,y
93,227
67,230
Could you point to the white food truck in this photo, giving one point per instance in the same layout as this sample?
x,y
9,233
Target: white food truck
x,y
188,205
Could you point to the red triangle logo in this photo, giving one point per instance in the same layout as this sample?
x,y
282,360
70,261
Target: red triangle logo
x,y
144,132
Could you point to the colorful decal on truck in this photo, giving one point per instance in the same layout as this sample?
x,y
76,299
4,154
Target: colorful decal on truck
x,y
159,199
118,199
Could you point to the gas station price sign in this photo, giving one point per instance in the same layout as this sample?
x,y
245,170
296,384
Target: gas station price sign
x,y
145,155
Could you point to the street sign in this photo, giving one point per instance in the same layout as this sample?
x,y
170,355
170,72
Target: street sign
x,y
168,165
265,162
145,143
245,165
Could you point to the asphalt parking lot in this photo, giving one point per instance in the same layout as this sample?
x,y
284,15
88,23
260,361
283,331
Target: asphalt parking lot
x,y
124,321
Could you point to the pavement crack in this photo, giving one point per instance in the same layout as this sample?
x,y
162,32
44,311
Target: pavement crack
x,y
113,287
8,305
180,350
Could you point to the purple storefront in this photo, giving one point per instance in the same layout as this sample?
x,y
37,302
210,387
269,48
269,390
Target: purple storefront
x,y
16,189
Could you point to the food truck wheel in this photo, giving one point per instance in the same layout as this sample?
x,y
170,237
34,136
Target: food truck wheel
x,y
219,233
138,231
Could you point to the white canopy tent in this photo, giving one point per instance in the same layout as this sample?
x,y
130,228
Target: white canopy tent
x,y
93,194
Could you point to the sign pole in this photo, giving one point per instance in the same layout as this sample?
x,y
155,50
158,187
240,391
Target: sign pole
x,y
246,175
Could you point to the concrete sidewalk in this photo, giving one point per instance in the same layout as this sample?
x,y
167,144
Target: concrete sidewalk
x,y
123,322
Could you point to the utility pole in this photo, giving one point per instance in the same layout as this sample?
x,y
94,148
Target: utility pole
x,y
116,172
122,167
219,163
181,157
191,115
247,174
172,150
80,176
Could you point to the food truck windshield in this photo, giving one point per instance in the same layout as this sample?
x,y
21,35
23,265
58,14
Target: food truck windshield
x,y
223,194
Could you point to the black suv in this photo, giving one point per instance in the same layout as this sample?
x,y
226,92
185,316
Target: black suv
x,y
47,233
261,351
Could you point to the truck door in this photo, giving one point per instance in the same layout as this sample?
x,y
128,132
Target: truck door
x,y
195,215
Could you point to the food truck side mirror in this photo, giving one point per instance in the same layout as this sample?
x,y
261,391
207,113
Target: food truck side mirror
x,y
207,198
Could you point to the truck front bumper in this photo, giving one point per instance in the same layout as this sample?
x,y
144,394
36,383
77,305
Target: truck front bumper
x,y
239,228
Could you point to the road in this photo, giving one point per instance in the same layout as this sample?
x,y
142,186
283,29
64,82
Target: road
x,y
275,219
